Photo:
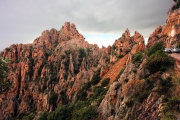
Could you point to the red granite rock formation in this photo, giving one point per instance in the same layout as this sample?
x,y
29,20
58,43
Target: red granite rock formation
x,y
169,33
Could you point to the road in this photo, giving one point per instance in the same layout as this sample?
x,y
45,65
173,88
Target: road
x,y
175,56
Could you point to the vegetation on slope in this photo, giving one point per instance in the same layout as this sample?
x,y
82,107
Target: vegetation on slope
x,y
3,74
157,60
158,63
84,107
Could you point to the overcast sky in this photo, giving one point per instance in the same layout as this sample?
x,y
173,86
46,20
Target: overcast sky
x,y
100,21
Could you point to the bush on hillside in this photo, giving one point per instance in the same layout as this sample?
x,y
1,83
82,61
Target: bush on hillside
x,y
96,78
64,98
52,98
156,47
105,82
132,87
43,116
129,103
82,54
85,113
137,59
178,46
63,112
164,85
158,61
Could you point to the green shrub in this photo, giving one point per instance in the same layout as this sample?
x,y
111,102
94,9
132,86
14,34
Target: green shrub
x,y
86,85
3,68
4,86
64,97
77,111
98,95
28,117
82,94
99,92
71,83
80,110
89,50
107,59
122,70
65,75
66,64
53,79
129,103
67,52
173,104
158,61
7,49
85,113
178,37
96,78
105,82
63,112
22,114
178,46
114,47
63,56
164,85
43,88
82,53
156,47
137,59
53,98
120,56
143,95
43,116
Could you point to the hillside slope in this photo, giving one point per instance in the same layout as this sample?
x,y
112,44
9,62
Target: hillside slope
x,y
60,76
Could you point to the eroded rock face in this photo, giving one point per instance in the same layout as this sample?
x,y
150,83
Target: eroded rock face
x,y
169,33
127,45
117,103
62,61
53,62
114,105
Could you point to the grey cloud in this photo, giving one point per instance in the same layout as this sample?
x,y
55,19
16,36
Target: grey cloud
x,y
22,21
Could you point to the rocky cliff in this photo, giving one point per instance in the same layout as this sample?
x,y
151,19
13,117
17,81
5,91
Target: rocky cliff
x,y
144,93
56,61
169,33
59,62
62,76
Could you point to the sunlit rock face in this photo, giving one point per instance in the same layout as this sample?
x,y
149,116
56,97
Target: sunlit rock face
x,y
169,33
53,62
59,61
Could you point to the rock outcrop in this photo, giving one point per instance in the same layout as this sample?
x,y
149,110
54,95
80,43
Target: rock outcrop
x,y
122,99
56,61
169,33
58,65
